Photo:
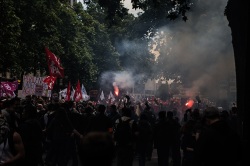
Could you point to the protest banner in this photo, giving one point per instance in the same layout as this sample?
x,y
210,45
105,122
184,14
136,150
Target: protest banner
x,y
34,86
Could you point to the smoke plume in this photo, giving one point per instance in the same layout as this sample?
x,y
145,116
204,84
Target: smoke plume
x,y
202,48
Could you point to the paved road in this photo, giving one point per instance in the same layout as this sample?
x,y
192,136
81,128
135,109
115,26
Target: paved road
x,y
153,161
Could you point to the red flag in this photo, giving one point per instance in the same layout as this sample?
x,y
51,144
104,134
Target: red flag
x,y
50,81
55,68
68,93
78,92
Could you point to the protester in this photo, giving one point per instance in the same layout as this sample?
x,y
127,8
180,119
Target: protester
x,y
125,138
143,139
174,138
100,122
97,149
188,141
114,115
11,145
10,114
161,139
152,119
62,134
217,144
32,135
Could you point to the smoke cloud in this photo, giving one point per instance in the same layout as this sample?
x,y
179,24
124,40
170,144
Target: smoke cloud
x,y
122,79
202,48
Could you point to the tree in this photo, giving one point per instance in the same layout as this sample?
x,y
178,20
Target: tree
x,y
69,32
237,13
10,31
132,48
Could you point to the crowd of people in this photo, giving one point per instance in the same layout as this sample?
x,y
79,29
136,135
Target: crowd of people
x,y
35,132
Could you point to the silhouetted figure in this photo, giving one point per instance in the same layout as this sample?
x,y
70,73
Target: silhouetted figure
x,y
125,140
144,137
233,119
97,149
217,143
152,119
167,139
161,139
113,115
62,135
174,138
88,115
188,141
100,122
11,146
188,137
32,136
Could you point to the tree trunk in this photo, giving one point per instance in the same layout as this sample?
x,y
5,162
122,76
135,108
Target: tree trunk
x,y
237,15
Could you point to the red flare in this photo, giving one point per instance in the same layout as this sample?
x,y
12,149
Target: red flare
x,y
189,104
116,89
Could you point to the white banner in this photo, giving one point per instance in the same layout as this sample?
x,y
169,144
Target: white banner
x,y
35,86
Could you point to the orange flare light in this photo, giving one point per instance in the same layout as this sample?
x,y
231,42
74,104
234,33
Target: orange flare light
x,y
189,104
116,89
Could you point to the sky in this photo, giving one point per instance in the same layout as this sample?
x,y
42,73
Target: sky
x,y
127,4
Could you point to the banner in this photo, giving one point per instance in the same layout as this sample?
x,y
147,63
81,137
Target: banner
x,y
34,86
8,88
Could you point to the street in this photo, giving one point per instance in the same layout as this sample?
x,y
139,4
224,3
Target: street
x,y
153,161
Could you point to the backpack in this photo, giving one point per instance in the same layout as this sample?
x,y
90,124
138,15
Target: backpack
x,y
123,134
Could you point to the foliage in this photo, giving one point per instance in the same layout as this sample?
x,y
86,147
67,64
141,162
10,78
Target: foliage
x,y
75,37
153,9
131,46
104,37
10,32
